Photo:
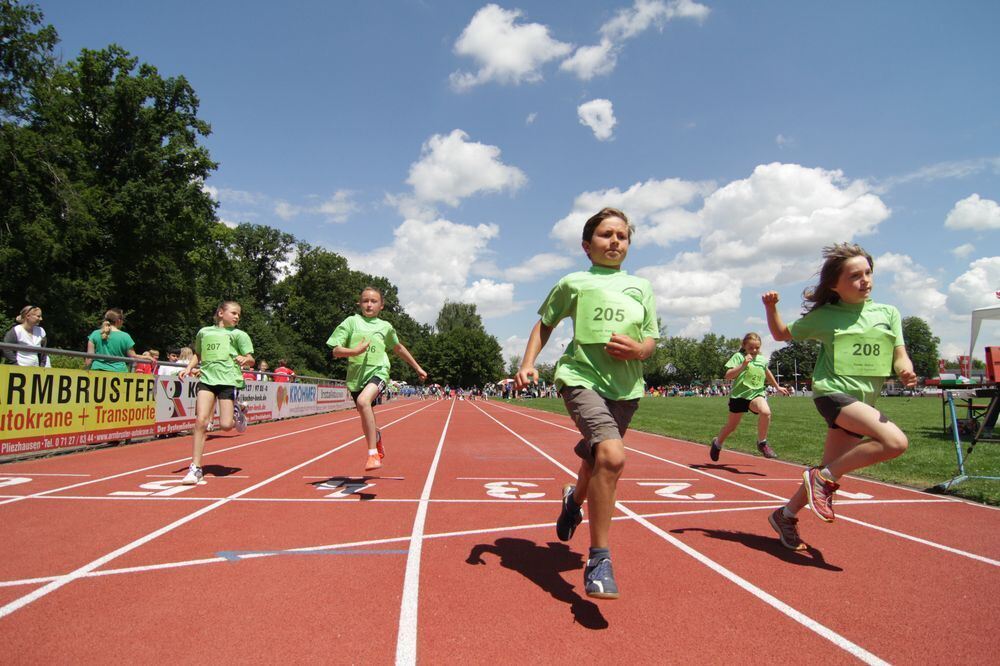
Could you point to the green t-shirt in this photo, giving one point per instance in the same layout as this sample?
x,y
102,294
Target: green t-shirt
x,y
217,348
858,341
750,383
117,344
374,362
601,301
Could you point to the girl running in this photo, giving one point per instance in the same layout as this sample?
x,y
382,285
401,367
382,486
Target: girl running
x,y
862,343
747,369
364,339
223,351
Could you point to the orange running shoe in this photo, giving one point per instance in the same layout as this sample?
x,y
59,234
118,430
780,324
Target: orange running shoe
x,y
373,463
378,444
820,493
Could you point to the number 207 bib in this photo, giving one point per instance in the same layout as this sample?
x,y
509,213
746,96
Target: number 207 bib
x,y
867,354
600,313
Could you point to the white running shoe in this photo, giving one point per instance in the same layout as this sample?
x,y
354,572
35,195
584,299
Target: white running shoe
x,y
194,476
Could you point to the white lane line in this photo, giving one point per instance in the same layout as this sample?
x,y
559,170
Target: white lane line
x,y
902,535
406,640
505,478
80,572
774,602
184,459
356,544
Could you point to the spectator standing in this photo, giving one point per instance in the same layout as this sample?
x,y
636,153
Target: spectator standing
x,y
110,340
263,367
27,332
283,374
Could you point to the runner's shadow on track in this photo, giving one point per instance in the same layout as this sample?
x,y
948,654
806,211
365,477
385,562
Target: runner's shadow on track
x,y
349,485
810,557
732,469
542,566
213,470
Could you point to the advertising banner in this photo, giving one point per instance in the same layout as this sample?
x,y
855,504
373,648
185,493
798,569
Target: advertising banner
x,y
50,408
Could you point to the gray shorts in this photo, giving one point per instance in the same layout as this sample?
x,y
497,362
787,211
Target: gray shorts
x,y
598,418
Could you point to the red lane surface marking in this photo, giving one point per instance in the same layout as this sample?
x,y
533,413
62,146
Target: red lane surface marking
x,y
530,599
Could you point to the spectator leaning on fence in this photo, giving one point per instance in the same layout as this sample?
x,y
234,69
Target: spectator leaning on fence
x,y
110,340
27,332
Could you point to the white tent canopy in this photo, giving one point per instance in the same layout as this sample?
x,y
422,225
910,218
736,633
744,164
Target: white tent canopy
x,y
978,316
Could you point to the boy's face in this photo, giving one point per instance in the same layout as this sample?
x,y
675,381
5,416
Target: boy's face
x,y
609,244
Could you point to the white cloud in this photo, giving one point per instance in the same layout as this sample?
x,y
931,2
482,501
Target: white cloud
x,y
945,170
654,207
696,327
492,299
336,208
538,266
974,213
783,140
599,116
688,291
591,61
600,59
530,120
963,251
560,338
912,290
452,167
976,288
506,52
431,262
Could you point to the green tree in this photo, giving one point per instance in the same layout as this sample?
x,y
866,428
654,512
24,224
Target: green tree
x,y
458,315
26,57
681,354
921,345
713,352
795,356
466,358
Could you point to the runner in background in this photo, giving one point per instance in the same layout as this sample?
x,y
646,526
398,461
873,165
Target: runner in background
x,y
748,371
599,377
861,344
364,339
223,350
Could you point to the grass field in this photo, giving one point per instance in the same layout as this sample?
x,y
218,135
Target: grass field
x,y
797,432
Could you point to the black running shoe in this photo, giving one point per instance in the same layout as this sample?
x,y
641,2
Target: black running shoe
x,y
570,516
716,449
599,579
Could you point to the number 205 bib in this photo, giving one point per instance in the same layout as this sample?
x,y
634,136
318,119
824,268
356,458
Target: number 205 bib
x,y
867,354
600,313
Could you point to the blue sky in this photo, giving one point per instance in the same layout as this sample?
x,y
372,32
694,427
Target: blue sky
x,y
457,147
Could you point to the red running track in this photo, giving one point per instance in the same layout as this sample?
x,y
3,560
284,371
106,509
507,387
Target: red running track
x,y
289,552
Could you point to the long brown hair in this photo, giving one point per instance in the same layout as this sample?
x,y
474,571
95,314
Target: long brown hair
x,y
746,338
113,317
834,257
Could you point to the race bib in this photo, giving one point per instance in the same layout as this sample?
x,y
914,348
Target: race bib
x,y
600,313
372,355
753,377
867,354
215,348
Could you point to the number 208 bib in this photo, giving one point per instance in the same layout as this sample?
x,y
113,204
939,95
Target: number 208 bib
x,y
867,354
600,313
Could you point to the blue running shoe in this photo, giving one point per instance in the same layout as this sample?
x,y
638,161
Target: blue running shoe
x,y
599,579
716,449
570,516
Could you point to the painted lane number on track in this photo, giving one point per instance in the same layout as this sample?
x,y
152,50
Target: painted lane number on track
x,y
13,480
345,487
164,488
672,490
511,490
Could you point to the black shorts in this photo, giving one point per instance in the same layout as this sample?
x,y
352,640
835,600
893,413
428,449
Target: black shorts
x,y
829,407
222,392
740,406
377,381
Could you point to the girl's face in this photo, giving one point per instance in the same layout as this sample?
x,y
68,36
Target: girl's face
x,y
609,244
370,303
33,317
229,316
751,347
264,365
855,282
